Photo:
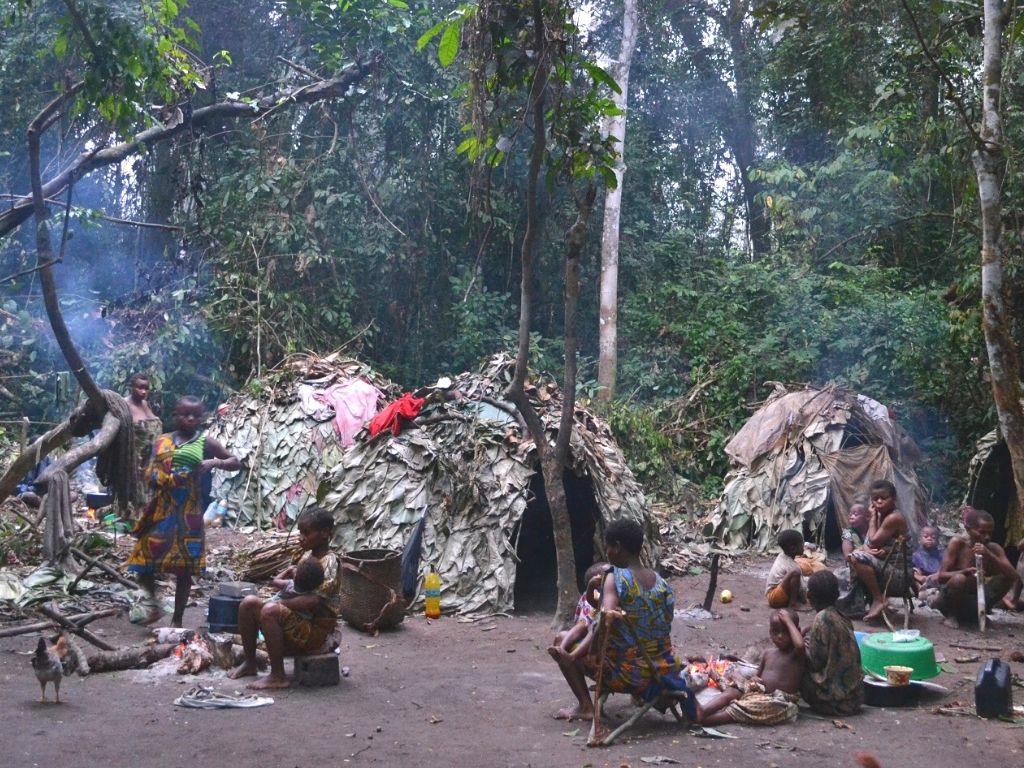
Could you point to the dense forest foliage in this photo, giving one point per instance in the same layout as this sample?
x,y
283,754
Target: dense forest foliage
x,y
798,206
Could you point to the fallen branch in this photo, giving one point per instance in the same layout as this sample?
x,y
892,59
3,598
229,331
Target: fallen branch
x,y
85,634
134,657
107,569
202,119
966,647
81,619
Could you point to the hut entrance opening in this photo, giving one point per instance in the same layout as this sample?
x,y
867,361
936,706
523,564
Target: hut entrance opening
x,y
536,587
993,490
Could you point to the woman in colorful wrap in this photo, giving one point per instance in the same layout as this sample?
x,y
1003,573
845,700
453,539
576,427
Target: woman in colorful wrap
x,y
646,600
170,530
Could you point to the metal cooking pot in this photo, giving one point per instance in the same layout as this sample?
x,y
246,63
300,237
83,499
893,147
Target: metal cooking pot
x,y
98,500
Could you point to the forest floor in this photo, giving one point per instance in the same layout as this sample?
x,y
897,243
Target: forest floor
x,y
482,693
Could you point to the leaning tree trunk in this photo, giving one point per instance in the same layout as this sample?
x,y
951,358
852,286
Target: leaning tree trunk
x,y
615,126
990,165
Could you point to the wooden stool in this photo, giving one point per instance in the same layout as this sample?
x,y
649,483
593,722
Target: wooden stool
x,y
317,670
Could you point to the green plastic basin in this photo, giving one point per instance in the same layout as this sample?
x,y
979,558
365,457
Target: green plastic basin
x,y
879,650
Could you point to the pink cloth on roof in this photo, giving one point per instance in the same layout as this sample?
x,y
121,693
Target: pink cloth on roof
x,y
354,403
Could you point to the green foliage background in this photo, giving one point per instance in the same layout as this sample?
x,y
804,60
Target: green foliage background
x,y
356,222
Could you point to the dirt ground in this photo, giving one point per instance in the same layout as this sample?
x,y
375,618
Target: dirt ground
x,y
450,692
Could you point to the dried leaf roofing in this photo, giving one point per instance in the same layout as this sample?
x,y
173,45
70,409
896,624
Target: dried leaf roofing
x,y
466,466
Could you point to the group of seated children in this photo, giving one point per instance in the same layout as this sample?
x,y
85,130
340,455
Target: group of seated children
x,y
871,545
821,664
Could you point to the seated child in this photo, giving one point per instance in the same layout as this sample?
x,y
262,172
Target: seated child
x,y
306,579
770,698
854,534
784,586
574,643
833,681
958,591
928,557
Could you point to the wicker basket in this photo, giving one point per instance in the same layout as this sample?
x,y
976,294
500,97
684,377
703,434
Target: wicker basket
x,y
371,589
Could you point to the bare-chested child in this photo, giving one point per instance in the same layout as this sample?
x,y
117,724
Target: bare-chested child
x,y
958,593
574,642
780,672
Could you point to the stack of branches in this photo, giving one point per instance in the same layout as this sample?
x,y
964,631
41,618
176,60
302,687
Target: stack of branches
x,y
267,558
684,552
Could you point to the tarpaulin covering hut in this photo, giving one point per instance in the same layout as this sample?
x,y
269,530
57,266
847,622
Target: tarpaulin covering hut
x,y
990,483
468,467
800,461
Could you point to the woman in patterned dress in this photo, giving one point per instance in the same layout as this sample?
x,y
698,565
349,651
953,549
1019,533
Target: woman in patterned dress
x,y
647,602
170,531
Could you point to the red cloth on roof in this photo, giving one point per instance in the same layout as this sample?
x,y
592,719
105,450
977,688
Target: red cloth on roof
x,y
406,407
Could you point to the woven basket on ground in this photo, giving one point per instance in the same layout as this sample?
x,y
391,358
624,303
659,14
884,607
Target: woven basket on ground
x,y
371,589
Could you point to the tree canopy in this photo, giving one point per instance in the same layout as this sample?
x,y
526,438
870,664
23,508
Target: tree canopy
x,y
800,204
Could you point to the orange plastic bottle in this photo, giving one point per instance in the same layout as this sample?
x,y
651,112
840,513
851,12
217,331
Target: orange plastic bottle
x,y
432,595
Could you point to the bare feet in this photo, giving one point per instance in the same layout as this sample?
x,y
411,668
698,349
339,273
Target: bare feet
x,y
269,683
574,713
876,611
558,654
1012,605
245,669
951,622
800,607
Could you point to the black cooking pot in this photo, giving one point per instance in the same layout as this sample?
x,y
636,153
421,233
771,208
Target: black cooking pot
x,y
98,500
878,693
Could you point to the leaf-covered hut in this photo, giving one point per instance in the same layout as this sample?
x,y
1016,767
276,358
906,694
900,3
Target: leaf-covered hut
x,y
465,466
800,461
287,431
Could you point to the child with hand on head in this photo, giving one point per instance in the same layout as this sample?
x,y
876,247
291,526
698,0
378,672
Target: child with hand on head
x,y
833,679
854,534
575,642
770,698
928,557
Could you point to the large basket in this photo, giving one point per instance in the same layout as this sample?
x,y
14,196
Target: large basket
x,y
371,589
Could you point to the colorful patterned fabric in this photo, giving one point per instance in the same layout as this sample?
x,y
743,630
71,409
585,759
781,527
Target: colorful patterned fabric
x,y
170,531
833,682
648,621
146,433
584,612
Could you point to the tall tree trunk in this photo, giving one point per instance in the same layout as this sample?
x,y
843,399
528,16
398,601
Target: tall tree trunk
x,y
743,132
552,460
990,165
615,126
